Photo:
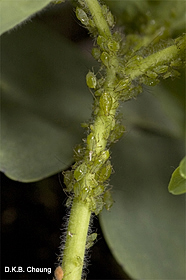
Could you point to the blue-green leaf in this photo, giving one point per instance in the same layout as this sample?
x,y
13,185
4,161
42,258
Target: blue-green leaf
x,y
14,12
145,228
44,100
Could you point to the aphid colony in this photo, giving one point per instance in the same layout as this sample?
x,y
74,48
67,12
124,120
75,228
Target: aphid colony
x,y
88,179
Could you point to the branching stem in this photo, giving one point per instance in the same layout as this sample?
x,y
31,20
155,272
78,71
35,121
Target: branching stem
x,y
73,257
86,184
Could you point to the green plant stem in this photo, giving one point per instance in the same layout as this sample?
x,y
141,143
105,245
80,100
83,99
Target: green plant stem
x,y
164,56
73,255
76,240
98,17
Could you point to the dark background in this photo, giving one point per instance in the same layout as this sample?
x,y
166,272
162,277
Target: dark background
x,y
31,225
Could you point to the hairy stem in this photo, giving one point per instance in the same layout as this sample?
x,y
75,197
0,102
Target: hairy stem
x,y
160,57
73,257
76,240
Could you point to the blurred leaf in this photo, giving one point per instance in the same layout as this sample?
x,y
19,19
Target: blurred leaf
x,y
155,111
135,15
177,183
145,229
14,12
183,168
44,100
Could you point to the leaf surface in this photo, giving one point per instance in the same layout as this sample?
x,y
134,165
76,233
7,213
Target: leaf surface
x,y
145,228
44,100
13,13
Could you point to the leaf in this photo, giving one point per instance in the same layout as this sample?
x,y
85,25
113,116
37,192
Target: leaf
x,y
183,168
177,183
145,228
165,116
14,12
133,14
44,100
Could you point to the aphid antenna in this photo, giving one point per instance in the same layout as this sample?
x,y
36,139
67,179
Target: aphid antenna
x,y
92,94
60,179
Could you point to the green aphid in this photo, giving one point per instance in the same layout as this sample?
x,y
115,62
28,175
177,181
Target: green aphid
x,y
104,9
134,61
77,189
79,152
106,103
149,81
91,142
99,92
105,59
100,160
176,63
90,240
68,180
104,172
102,42
85,192
110,19
82,16
151,74
160,69
174,73
108,200
96,53
117,36
100,83
122,85
91,80
98,190
80,171
167,75
113,46
78,261
99,205
69,201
